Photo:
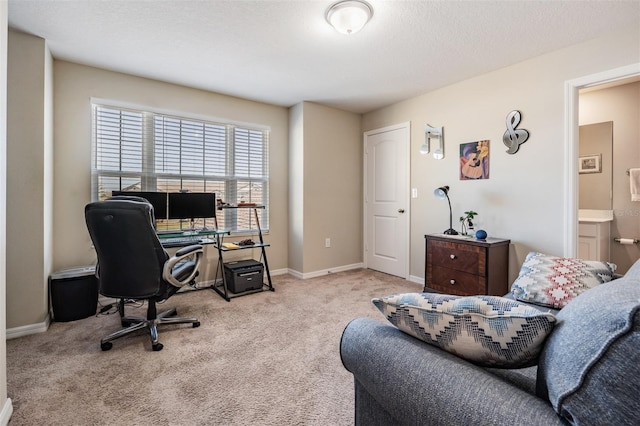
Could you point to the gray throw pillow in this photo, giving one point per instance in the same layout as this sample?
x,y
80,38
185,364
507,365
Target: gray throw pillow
x,y
589,368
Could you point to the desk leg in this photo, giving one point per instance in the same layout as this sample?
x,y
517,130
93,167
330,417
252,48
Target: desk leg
x,y
224,293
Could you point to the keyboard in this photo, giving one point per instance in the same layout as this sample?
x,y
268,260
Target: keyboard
x,y
180,241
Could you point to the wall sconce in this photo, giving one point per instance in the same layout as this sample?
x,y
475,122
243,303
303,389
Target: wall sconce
x,y
433,133
349,16
442,193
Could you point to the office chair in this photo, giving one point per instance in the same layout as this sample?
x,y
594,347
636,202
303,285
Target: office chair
x,y
133,265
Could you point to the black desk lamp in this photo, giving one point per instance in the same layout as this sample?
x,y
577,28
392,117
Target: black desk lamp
x,y
442,193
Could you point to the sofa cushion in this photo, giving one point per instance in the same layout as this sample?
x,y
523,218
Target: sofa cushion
x,y
555,281
487,330
589,368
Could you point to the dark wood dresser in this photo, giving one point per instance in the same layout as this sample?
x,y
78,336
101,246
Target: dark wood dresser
x,y
466,266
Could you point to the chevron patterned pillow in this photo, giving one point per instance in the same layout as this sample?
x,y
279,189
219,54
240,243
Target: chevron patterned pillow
x,y
554,281
486,330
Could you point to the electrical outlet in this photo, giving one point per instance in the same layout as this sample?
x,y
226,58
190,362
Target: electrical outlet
x,y
414,192
327,242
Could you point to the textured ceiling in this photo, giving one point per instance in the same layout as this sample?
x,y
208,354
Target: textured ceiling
x,y
283,52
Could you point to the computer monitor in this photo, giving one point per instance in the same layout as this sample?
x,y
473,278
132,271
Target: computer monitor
x,y
192,205
157,199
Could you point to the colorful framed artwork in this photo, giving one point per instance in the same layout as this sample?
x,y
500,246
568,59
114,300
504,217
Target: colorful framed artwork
x,y
474,160
590,164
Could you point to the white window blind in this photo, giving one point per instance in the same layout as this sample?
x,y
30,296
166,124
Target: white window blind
x,y
146,151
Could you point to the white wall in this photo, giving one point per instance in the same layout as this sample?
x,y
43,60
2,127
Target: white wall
x,y
333,192
524,198
6,405
29,184
296,188
325,176
47,172
332,188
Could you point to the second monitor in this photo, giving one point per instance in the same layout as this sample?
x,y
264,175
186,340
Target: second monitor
x,y
192,205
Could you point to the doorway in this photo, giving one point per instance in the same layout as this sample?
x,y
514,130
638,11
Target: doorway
x,y
386,199
572,88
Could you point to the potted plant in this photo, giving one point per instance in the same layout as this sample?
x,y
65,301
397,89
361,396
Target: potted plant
x,y
467,223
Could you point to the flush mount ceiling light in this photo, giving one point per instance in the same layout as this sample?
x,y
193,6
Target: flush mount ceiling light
x,y
349,16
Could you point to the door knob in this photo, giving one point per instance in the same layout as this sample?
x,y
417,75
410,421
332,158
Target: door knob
x,y
400,210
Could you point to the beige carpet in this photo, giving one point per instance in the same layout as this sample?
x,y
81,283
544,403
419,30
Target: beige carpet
x,y
262,359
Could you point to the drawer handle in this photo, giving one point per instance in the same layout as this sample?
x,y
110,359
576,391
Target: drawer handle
x,y
452,256
452,282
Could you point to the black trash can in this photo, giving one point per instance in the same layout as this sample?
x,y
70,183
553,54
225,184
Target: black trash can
x,y
74,293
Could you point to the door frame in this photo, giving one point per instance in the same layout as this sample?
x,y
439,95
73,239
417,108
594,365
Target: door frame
x,y
365,237
571,102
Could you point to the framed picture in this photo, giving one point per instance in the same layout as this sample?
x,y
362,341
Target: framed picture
x,y
590,164
474,160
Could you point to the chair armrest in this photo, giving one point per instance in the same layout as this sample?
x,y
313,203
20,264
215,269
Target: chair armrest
x,y
192,254
417,383
185,251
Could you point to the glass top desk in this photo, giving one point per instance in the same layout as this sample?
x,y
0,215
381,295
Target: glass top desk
x,y
215,237
180,238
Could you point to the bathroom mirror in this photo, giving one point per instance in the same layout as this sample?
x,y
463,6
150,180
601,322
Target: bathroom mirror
x,y
596,141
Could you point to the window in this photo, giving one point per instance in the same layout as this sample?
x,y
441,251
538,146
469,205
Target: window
x,y
147,151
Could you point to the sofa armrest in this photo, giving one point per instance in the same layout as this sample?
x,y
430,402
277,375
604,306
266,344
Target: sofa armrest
x,y
416,383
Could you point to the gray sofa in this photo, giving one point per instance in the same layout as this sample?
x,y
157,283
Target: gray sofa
x,y
588,372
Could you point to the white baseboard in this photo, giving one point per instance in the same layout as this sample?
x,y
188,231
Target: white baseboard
x,y
320,273
7,411
26,330
417,280
283,271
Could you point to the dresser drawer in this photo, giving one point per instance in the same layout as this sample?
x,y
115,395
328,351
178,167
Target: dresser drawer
x,y
452,281
458,256
466,266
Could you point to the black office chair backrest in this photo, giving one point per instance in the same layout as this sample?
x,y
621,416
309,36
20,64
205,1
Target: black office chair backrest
x,y
139,199
130,256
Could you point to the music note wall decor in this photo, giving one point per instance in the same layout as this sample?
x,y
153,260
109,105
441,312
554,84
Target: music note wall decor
x,y
513,138
433,133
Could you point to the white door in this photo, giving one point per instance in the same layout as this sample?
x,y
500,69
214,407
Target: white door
x,y
386,200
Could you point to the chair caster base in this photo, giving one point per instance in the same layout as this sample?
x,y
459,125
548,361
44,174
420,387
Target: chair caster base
x,y
196,324
157,347
106,346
